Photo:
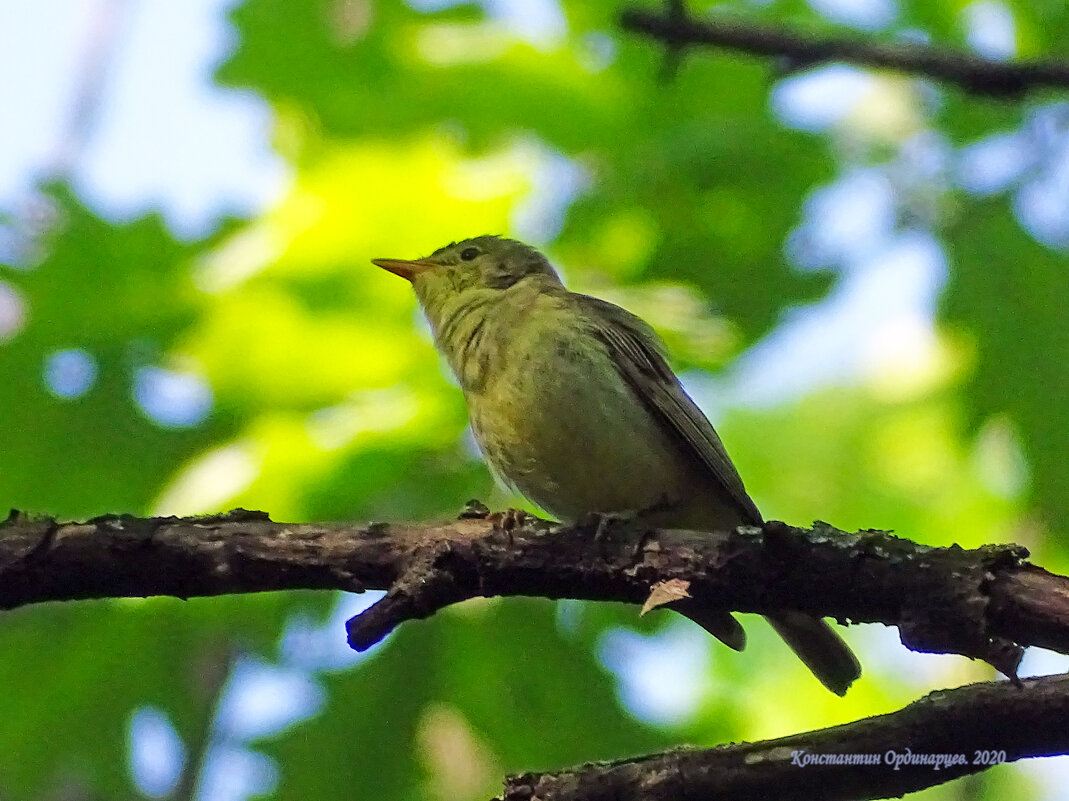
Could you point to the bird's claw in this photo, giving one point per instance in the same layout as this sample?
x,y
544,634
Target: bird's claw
x,y
474,510
509,519
602,522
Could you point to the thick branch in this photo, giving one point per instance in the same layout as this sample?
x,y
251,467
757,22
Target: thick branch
x,y
979,603
676,29
970,727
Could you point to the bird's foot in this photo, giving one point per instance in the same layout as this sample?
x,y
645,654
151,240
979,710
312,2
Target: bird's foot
x,y
474,510
603,522
509,519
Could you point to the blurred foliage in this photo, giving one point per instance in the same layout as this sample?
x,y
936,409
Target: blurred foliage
x,y
123,294
406,129
1010,297
80,671
678,156
427,728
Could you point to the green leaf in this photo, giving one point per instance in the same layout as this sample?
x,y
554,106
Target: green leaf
x,y
97,662
678,157
122,294
496,682
1008,296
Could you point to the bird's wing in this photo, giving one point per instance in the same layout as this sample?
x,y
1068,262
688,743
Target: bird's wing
x,y
638,354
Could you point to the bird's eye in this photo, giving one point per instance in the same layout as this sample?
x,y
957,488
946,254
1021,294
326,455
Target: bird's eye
x,y
467,254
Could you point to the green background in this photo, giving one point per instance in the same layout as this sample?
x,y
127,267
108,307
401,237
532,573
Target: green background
x,y
405,130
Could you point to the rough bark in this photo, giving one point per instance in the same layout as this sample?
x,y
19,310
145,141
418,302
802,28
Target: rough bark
x,y
950,734
797,50
982,603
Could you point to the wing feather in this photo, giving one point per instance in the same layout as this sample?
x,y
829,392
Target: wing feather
x,y
638,354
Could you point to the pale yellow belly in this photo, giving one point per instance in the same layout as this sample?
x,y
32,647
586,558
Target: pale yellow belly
x,y
580,441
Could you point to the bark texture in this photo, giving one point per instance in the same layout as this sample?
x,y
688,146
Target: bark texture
x,y
794,50
942,736
983,603
986,602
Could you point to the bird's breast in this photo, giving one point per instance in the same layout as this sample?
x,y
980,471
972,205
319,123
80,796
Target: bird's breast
x,y
561,425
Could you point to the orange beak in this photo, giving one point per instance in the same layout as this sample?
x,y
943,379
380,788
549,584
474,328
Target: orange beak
x,y
406,269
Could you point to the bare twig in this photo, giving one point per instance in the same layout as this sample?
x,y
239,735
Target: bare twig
x,y
212,670
943,736
103,39
978,75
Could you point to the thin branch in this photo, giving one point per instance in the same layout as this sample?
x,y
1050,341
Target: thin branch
x,y
100,49
943,736
982,603
676,30
210,674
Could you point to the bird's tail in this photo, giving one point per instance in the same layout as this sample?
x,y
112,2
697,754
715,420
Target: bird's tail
x,y
819,647
720,624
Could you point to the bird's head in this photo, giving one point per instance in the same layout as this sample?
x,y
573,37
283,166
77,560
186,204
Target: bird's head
x,y
471,269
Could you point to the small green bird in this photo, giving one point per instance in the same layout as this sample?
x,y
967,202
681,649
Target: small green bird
x,y
574,406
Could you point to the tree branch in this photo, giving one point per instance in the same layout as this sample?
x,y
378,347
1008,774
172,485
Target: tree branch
x,y
970,728
984,602
981,603
676,29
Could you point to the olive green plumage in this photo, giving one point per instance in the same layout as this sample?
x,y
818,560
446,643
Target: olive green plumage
x,y
574,405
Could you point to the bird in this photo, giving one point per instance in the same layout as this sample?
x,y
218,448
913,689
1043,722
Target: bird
x,y
574,406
